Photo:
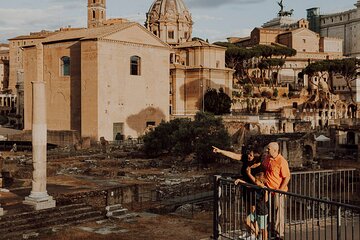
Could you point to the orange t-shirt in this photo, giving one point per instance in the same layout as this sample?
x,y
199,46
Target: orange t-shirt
x,y
276,169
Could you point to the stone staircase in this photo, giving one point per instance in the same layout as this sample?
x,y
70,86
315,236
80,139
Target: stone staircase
x,y
117,211
31,224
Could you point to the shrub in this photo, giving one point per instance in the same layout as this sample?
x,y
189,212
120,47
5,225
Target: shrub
x,y
181,137
276,92
217,102
3,120
266,94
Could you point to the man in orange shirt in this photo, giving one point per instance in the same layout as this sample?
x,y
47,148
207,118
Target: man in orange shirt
x,y
277,175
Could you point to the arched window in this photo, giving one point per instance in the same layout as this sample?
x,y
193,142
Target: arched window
x,y
65,66
135,64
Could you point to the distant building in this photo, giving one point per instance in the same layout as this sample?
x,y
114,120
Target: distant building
x,y
170,20
4,74
97,15
195,65
4,66
344,25
309,46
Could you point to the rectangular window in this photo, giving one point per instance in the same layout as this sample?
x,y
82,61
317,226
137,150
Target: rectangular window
x,y
135,63
118,131
65,66
171,35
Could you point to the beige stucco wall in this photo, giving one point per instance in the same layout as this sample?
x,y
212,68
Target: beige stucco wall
x,y
62,93
100,90
208,57
30,74
305,41
89,89
16,58
331,45
189,86
132,100
264,36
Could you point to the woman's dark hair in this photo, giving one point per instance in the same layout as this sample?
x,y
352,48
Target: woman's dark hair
x,y
257,154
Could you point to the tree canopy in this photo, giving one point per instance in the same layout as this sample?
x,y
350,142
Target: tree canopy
x,y
181,137
346,67
217,102
270,57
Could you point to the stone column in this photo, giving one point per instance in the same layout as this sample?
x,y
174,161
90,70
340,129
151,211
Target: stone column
x,y
39,197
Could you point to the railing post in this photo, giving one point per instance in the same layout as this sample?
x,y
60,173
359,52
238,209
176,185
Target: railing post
x,y
338,223
217,211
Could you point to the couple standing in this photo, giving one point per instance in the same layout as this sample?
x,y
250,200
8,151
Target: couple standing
x,y
276,173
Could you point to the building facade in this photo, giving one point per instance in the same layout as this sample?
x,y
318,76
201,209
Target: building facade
x,y
309,46
196,67
100,81
170,20
344,25
195,64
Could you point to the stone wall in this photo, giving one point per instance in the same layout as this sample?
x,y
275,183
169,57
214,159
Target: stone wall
x,y
60,138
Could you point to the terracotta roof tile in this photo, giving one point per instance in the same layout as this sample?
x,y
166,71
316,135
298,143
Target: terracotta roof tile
x,y
87,33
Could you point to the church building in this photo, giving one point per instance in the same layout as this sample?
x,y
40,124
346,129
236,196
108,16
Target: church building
x,y
108,80
195,65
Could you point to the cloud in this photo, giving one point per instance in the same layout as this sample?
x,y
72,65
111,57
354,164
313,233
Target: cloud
x,y
197,17
218,3
214,35
15,22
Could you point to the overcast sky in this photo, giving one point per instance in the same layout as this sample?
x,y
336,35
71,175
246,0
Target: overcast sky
x,y
214,19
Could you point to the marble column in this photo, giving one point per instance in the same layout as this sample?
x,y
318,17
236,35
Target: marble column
x,y
39,197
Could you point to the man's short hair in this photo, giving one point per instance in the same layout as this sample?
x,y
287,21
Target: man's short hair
x,y
274,145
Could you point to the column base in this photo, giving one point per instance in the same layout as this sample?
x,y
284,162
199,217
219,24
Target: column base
x,y
39,204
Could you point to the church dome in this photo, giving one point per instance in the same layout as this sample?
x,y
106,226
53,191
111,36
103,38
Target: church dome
x,y
170,20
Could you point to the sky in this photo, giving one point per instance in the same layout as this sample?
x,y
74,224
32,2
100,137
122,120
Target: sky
x,y
214,20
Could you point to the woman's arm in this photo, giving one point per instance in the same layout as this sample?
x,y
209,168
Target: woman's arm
x,y
237,181
248,172
232,155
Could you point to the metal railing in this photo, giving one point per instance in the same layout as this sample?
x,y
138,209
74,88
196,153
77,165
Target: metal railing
x,y
333,185
304,217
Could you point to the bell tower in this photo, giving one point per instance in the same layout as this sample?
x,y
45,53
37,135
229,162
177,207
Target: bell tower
x,y
96,13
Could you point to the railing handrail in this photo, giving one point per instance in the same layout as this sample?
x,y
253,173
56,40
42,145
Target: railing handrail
x,y
324,171
293,194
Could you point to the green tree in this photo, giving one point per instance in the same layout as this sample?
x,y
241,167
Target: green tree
x,y
276,92
181,137
209,131
248,90
346,67
217,102
165,137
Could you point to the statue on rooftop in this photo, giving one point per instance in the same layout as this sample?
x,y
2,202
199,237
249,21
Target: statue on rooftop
x,y
283,13
281,6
